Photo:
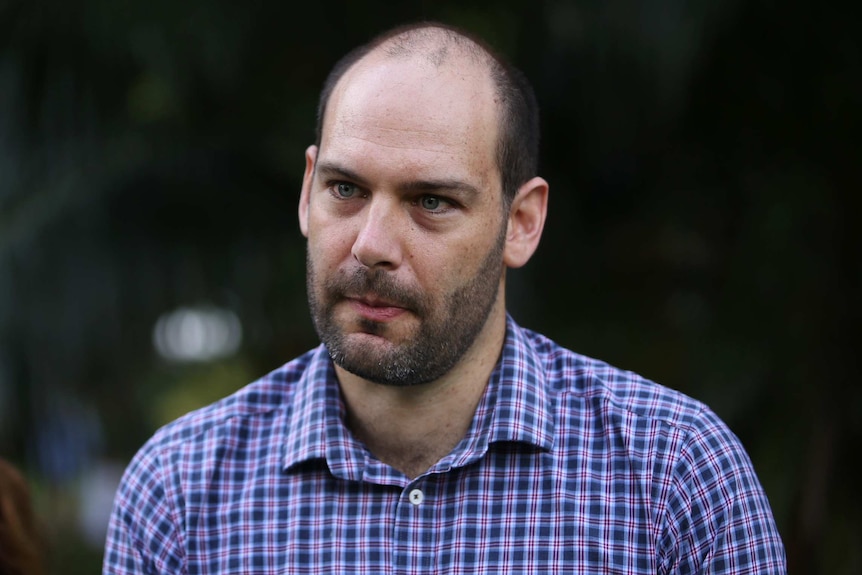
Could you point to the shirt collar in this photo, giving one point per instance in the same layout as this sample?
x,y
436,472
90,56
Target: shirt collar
x,y
315,428
522,408
514,408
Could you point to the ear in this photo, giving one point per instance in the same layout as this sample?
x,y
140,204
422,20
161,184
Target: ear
x,y
526,222
305,196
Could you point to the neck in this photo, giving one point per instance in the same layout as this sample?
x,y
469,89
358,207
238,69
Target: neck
x,y
412,428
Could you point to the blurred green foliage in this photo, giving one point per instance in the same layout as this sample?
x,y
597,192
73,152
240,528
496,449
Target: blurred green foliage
x,y
703,168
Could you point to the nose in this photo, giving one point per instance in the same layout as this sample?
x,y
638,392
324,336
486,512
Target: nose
x,y
378,242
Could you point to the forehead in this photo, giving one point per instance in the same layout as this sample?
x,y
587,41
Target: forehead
x,y
409,104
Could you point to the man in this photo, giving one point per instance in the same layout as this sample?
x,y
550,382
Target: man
x,y
429,432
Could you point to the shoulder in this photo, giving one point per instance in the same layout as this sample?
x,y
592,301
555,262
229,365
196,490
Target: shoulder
x,y
618,411
702,489
595,381
256,400
184,461
226,428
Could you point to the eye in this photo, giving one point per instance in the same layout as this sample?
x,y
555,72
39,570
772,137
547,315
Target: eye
x,y
345,190
430,203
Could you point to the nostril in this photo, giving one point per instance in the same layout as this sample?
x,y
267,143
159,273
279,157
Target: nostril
x,y
370,259
371,253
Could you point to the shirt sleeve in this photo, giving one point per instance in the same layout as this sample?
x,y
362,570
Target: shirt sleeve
x,y
718,519
143,534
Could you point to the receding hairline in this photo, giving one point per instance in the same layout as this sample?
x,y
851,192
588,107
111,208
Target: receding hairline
x,y
435,43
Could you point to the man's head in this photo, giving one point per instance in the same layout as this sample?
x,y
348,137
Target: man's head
x,y
517,147
408,232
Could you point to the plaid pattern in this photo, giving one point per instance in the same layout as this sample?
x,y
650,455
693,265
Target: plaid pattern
x,y
570,465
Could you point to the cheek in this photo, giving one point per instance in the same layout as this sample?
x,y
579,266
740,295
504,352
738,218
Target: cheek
x,y
442,267
328,245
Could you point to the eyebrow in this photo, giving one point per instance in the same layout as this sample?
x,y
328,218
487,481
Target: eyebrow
x,y
328,170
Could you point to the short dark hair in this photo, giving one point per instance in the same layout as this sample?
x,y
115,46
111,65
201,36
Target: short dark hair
x,y
517,151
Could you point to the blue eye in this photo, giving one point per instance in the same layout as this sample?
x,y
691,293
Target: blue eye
x,y
430,203
345,190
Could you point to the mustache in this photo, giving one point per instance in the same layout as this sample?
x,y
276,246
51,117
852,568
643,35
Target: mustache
x,y
379,283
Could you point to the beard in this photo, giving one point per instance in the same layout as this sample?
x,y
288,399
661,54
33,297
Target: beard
x,y
446,330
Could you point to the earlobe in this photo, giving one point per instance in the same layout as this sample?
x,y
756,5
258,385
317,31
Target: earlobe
x,y
526,222
305,195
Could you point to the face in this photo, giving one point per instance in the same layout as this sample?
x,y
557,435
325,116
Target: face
x,y
402,208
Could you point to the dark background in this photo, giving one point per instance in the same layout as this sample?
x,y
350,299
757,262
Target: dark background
x,y
702,160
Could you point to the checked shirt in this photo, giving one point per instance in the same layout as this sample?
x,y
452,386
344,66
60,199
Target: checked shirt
x,y
569,466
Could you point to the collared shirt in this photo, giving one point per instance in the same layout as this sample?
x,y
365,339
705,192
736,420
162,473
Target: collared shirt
x,y
569,465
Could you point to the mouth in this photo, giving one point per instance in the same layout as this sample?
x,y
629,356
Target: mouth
x,y
372,300
373,308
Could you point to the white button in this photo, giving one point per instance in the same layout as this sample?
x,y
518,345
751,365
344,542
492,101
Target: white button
x,y
416,496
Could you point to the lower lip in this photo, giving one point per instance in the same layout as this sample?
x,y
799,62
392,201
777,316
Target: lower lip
x,y
376,313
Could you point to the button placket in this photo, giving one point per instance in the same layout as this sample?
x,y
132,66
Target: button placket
x,y
412,550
